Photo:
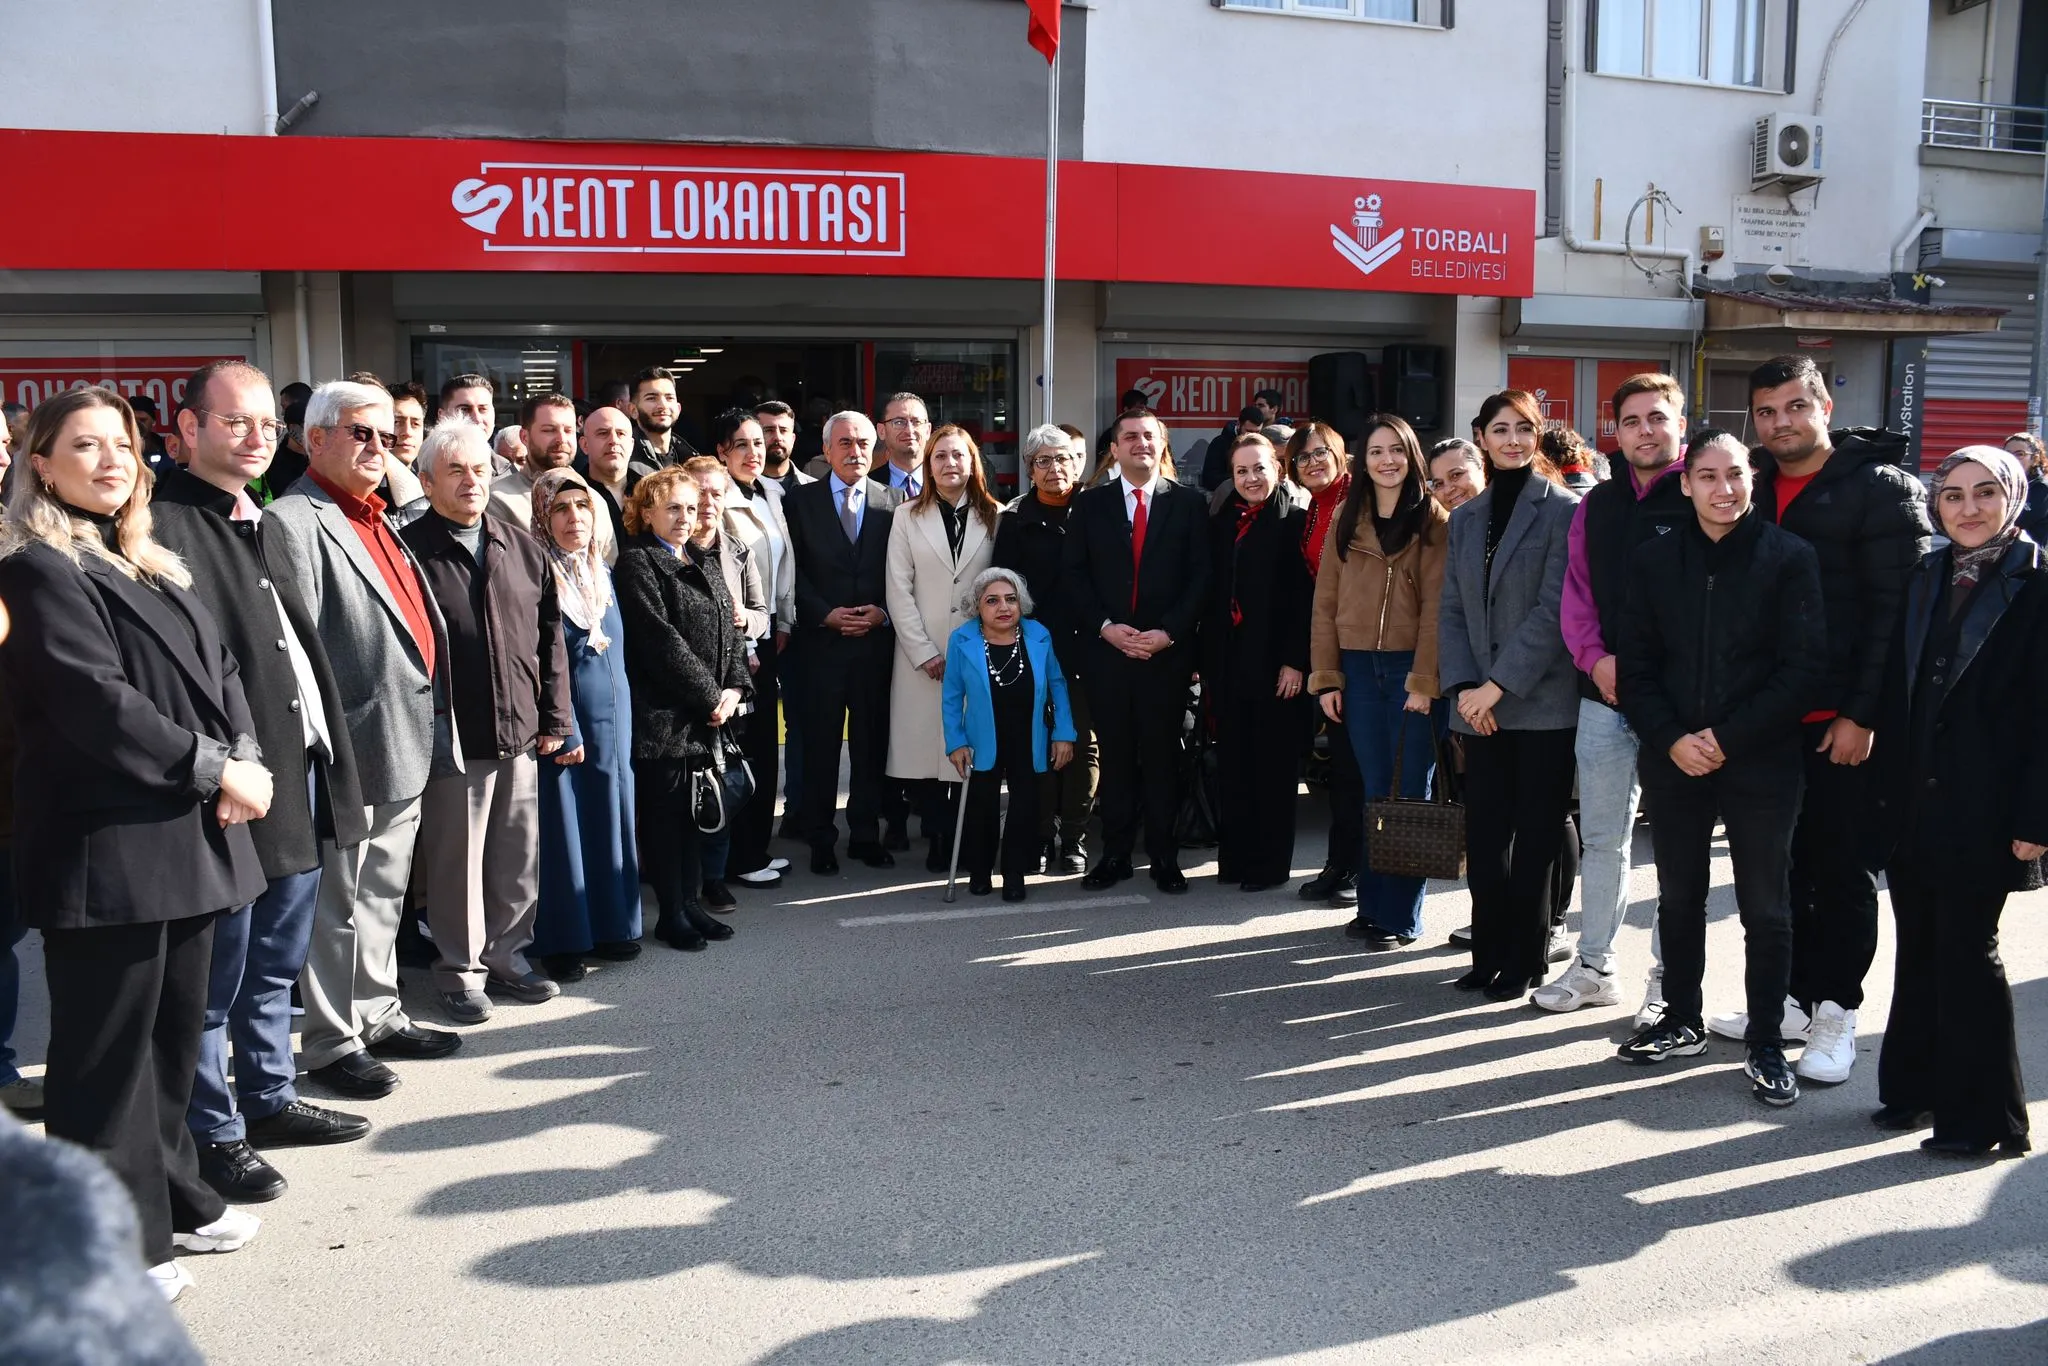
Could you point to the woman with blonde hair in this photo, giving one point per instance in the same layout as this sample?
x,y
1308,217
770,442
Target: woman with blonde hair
x,y
137,774
938,542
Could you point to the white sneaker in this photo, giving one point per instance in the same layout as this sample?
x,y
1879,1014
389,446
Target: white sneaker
x,y
1830,1045
1580,986
170,1278
1652,1011
780,865
1797,1024
229,1233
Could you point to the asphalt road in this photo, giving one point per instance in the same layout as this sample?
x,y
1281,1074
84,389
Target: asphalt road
x,y
1123,1128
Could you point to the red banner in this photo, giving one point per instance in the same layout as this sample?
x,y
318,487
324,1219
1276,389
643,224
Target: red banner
x,y
485,205
1208,393
1607,377
1553,381
28,380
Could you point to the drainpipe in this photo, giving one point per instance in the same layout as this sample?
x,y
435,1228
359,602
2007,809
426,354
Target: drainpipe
x,y
266,65
1906,243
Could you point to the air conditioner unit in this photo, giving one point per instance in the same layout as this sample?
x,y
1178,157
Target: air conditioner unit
x,y
1786,151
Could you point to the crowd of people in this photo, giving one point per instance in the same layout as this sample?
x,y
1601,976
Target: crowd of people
x,y
317,684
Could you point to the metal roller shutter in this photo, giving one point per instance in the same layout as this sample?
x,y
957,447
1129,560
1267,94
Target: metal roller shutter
x,y
1985,366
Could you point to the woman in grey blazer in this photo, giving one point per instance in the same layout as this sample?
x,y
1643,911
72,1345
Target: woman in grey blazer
x,y
1502,658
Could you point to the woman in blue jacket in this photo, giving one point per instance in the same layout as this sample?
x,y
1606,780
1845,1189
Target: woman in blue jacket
x,y
1003,687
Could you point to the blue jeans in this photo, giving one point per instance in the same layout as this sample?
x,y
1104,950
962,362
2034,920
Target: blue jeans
x,y
257,954
1610,790
717,854
1376,715
11,931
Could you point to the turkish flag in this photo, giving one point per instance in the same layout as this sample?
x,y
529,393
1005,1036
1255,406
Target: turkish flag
x,y
1044,33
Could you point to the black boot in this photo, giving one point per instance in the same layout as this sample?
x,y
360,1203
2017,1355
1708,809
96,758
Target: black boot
x,y
701,921
673,930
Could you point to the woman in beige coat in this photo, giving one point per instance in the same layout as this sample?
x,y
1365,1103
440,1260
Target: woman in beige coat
x,y
938,542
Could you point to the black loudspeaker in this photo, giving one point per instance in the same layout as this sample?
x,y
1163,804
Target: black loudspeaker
x,y
1340,392
1413,378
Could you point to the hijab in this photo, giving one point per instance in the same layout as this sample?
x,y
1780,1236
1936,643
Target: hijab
x,y
582,585
2012,481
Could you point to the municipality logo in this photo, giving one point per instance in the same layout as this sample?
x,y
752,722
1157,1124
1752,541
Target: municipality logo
x,y
1364,247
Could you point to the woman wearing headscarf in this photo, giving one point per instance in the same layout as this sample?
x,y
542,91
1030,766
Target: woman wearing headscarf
x,y
1962,808
589,870
1254,667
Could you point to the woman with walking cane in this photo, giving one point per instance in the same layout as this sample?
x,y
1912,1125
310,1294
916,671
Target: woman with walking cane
x,y
1006,715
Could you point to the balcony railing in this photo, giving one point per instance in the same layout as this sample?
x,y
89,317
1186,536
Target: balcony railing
x,y
1987,127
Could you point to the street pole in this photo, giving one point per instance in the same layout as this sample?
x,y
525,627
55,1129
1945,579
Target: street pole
x,y
2039,381
1052,196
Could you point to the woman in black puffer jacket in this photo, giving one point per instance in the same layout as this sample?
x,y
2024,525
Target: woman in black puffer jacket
x,y
687,665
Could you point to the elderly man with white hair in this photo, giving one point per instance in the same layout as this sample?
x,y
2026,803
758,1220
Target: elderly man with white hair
x,y
388,649
843,643
508,691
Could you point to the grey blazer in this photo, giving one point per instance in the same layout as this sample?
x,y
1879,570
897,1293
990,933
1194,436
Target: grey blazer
x,y
1508,631
391,704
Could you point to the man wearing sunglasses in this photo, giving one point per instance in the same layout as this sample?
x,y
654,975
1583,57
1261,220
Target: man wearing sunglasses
x,y
388,651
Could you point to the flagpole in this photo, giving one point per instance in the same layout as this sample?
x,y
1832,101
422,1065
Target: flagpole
x,y
1052,194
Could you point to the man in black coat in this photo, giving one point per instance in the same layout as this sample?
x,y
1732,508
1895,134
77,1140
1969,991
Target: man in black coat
x,y
204,512
604,456
1136,571
1721,651
1866,520
839,534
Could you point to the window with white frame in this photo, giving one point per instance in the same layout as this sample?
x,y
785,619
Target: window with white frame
x,y
1720,42
1428,13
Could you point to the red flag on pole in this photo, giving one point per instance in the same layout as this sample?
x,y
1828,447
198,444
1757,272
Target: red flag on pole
x,y
1044,33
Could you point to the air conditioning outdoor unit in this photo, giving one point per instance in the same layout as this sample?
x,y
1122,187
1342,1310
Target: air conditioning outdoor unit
x,y
1786,151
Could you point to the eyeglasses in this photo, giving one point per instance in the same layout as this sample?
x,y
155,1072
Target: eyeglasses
x,y
239,425
904,424
366,435
1315,453
1053,462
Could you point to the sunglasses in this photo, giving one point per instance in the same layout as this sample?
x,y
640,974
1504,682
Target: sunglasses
x,y
366,435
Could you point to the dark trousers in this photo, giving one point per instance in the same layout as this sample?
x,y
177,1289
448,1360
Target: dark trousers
x,y
1566,874
1347,801
258,953
1517,786
1757,801
1258,773
11,932
1139,707
1067,795
1834,897
1020,836
1950,1046
127,1008
846,693
752,825
671,846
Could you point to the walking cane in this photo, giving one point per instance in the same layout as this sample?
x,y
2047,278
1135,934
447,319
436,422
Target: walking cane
x,y
959,824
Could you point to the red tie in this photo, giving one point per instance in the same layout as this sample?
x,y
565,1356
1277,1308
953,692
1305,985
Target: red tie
x,y
1137,543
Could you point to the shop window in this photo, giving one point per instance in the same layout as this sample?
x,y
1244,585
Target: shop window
x,y
971,384
1426,13
519,369
1719,42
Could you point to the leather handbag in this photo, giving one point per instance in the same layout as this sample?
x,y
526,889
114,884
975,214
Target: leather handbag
x,y
1415,837
719,788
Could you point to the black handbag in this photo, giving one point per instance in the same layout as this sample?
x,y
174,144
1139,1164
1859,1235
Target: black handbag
x,y
720,787
1415,837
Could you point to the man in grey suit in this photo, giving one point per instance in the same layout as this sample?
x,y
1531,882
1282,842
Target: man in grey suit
x,y
388,651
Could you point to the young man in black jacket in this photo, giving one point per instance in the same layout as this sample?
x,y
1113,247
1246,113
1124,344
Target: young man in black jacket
x,y
1722,649
1866,520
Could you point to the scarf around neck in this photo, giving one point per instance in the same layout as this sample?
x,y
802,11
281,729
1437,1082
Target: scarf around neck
x,y
582,584
1969,565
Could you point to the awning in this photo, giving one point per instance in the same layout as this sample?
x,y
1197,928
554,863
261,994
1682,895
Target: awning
x,y
1759,311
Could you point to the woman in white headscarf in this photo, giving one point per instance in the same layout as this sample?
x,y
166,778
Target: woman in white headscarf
x,y
1961,786
589,873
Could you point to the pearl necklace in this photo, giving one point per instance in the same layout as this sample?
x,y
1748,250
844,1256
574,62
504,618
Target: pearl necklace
x,y
1009,671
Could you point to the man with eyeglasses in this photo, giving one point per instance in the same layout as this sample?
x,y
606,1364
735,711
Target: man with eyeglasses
x,y
388,651
655,412
228,426
905,427
1031,540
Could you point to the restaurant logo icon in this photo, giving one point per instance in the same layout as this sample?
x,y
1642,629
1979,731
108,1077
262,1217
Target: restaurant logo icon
x,y
1363,246
481,204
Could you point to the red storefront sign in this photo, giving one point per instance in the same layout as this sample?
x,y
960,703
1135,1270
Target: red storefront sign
x,y
487,205
1553,381
28,380
1211,392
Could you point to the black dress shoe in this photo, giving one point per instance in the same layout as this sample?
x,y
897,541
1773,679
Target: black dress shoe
x,y
1073,859
1510,987
1109,872
718,898
893,837
299,1125
416,1042
702,922
824,862
675,932
564,967
1974,1147
1385,941
1899,1120
1012,891
873,854
617,950
1172,881
238,1173
357,1075
1334,885
980,884
1478,979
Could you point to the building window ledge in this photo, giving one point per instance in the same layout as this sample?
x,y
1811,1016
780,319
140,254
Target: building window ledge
x,y
1983,159
1284,10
